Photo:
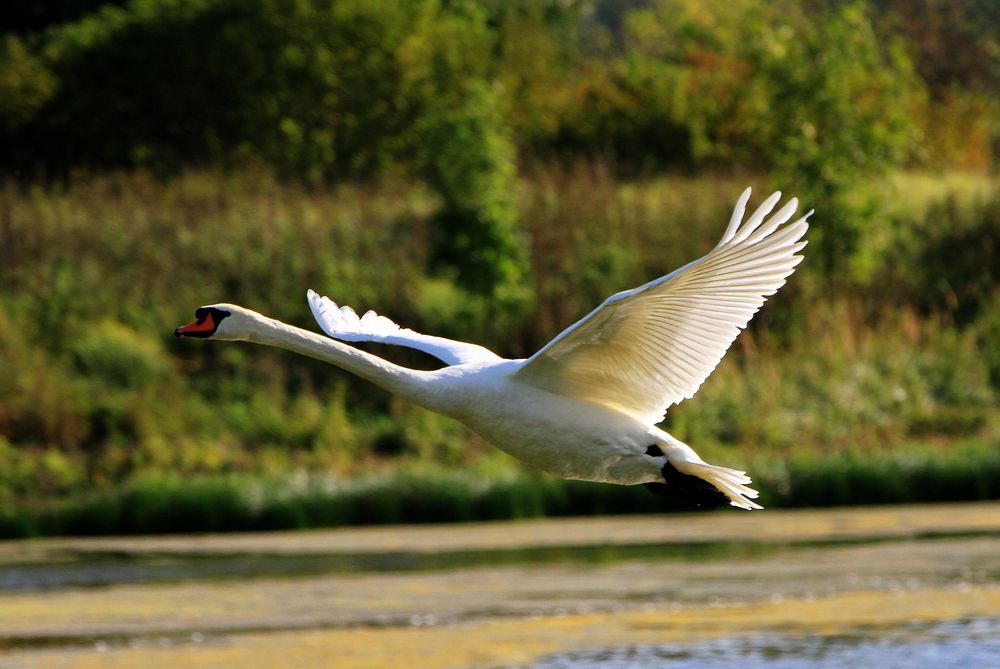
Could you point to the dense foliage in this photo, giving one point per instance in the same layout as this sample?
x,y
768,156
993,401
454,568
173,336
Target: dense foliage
x,y
343,89
820,94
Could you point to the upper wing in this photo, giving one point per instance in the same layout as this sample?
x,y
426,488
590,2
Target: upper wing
x,y
653,346
343,323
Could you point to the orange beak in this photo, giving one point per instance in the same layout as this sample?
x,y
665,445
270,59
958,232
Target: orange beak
x,y
206,324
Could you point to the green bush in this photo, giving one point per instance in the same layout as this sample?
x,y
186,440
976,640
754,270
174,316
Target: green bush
x,y
987,330
26,84
471,164
957,261
119,356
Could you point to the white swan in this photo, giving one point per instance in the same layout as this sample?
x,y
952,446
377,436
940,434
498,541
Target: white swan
x,y
586,405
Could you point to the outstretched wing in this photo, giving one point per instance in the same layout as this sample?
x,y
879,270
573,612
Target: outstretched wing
x,y
645,349
344,324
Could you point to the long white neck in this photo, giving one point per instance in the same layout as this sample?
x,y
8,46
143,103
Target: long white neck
x,y
408,383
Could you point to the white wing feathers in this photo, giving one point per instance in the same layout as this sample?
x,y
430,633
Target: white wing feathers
x,y
344,324
645,349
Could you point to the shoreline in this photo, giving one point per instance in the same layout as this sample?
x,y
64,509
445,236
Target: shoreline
x,y
778,525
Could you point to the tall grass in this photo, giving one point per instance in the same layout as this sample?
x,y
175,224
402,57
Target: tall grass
x,y
95,391
428,493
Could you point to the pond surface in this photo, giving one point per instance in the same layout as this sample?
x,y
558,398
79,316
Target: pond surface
x,y
870,587
959,644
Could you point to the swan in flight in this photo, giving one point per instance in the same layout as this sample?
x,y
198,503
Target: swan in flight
x,y
586,405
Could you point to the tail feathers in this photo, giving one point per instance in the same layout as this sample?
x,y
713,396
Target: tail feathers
x,y
730,482
685,471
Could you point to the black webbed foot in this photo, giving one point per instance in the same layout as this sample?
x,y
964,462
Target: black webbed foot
x,y
687,490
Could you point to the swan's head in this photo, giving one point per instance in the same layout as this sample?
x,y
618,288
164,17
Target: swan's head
x,y
218,321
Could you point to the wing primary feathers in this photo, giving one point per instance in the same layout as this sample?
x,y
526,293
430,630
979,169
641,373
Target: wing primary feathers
x,y
738,212
779,218
757,217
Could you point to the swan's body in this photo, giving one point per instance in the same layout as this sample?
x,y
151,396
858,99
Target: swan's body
x,y
585,406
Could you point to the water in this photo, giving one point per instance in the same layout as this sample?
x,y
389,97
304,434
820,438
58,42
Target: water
x,y
868,588
959,644
90,568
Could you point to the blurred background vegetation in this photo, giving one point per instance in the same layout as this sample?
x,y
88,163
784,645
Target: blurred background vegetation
x,y
489,171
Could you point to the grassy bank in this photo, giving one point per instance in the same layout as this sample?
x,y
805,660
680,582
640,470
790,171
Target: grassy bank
x,y
428,493
900,348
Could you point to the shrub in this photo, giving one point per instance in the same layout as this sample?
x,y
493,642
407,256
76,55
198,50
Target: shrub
x,y
26,84
119,356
